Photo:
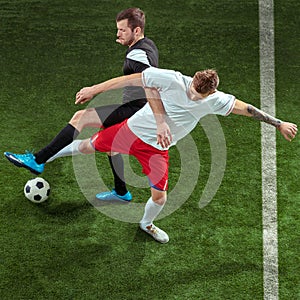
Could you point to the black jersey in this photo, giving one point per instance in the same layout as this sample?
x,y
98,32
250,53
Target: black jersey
x,y
139,57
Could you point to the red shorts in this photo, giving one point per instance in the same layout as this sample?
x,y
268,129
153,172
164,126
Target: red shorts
x,y
119,138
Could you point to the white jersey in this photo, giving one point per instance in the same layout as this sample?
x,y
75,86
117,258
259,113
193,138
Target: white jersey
x,y
183,114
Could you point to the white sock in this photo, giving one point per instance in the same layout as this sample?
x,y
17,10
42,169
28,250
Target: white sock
x,y
70,150
152,210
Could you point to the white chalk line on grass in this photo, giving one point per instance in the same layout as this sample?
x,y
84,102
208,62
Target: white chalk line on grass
x,y
268,141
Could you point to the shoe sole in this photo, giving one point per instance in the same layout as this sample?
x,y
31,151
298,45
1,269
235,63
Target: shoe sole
x,y
112,200
19,164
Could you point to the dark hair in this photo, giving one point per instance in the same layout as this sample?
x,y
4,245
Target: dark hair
x,y
135,17
205,81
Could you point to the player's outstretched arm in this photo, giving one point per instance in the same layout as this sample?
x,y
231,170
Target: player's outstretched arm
x,y
88,93
164,136
288,130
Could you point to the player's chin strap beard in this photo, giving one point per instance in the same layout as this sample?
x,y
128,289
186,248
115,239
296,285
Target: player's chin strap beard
x,y
134,41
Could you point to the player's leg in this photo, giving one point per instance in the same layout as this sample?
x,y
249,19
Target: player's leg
x,y
35,162
155,165
120,191
119,114
81,119
70,150
85,147
85,118
75,148
153,207
92,117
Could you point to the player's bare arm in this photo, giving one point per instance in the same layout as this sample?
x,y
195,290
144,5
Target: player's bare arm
x,y
288,130
88,93
164,137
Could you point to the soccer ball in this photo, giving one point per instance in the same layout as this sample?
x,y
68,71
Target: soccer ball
x,y
37,190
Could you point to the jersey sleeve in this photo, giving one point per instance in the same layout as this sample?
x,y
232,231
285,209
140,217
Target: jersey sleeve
x,y
223,104
138,60
157,78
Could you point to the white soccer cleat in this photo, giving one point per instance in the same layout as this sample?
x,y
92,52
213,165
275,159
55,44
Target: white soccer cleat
x,y
158,234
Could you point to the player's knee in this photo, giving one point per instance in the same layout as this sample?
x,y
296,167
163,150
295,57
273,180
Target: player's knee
x,y
81,118
77,117
85,147
85,118
112,153
159,197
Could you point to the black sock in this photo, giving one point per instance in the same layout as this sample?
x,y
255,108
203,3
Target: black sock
x,y
117,166
64,138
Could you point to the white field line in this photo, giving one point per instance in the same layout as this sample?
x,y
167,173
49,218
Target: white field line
x,y
268,141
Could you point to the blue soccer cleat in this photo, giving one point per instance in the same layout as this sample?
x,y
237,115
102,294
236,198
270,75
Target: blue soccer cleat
x,y
26,160
113,196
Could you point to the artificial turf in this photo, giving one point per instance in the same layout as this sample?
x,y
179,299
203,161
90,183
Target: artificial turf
x,y
66,248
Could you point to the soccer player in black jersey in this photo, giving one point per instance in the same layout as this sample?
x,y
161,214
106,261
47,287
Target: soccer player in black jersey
x,y
141,54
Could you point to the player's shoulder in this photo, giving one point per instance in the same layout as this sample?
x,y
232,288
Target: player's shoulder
x,y
221,102
144,51
159,71
145,45
219,95
174,78
168,72
138,55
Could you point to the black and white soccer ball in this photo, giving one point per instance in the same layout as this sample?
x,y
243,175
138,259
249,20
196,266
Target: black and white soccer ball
x,y
37,190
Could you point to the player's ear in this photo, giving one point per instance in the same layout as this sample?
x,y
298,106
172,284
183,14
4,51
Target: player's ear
x,y
137,30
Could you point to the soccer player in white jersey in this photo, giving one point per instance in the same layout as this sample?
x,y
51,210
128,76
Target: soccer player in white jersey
x,y
186,100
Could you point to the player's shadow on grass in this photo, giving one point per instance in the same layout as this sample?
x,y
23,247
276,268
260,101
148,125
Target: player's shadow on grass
x,y
112,254
110,263
217,270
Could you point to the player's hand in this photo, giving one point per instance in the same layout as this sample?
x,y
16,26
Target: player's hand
x,y
164,136
84,95
288,130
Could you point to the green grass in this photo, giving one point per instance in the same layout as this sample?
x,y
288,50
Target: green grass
x,y
67,249
287,64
